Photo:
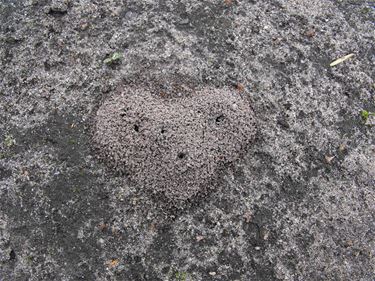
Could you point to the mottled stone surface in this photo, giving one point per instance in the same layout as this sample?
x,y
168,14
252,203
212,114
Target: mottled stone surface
x,y
286,211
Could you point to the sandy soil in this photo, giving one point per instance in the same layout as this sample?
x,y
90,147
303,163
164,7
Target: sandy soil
x,y
299,206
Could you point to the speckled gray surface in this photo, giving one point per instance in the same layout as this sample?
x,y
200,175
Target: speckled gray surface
x,y
286,211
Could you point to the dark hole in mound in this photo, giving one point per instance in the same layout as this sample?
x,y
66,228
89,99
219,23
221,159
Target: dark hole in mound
x,y
136,128
220,118
56,13
12,255
181,155
163,130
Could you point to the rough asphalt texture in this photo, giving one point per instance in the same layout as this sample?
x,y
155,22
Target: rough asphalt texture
x,y
173,146
286,211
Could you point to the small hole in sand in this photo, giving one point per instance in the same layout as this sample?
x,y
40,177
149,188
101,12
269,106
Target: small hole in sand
x,y
220,118
136,128
181,155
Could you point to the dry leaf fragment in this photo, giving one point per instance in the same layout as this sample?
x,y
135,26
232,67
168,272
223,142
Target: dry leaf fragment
x,y
83,26
329,158
115,231
310,33
152,227
103,226
228,2
112,263
342,147
340,60
240,87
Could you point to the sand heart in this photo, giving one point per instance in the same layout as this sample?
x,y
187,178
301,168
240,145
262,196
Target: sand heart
x,y
173,146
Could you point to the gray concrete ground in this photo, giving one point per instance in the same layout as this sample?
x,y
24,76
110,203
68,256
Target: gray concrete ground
x,y
300,205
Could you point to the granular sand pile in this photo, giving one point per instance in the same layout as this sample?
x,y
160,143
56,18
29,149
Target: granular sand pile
x,y
173,146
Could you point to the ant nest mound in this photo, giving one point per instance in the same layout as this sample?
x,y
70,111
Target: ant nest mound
x,y
173,146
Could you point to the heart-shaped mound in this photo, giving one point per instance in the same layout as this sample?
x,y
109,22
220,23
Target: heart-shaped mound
x,y
173,146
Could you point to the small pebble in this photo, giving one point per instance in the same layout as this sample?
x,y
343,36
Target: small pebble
x,y
199,238
184,21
